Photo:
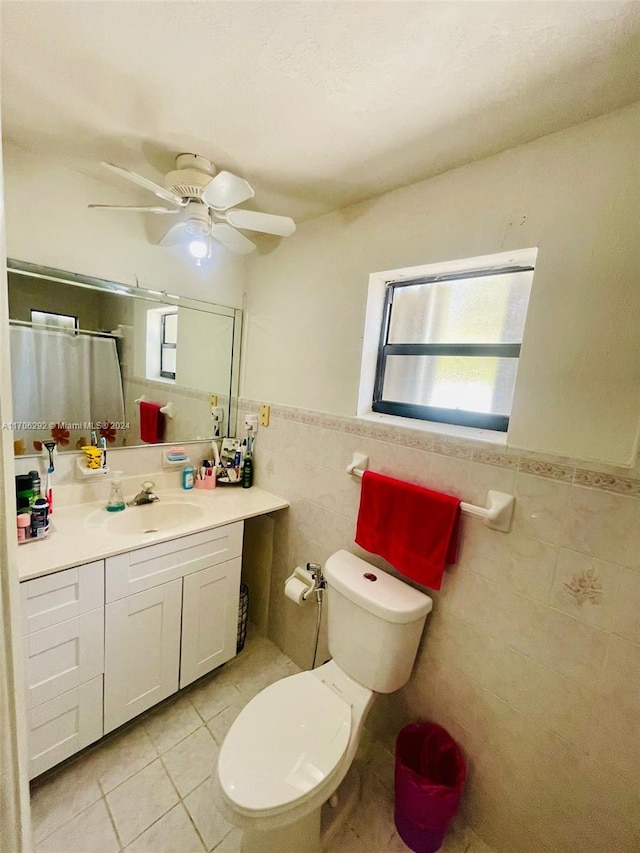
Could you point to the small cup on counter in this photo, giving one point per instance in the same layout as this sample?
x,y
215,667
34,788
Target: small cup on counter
x,y
23,521
93,456
206,478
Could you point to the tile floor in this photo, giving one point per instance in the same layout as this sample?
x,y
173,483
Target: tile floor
x,y
148,787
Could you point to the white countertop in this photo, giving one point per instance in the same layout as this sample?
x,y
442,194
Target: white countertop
x,y
85,532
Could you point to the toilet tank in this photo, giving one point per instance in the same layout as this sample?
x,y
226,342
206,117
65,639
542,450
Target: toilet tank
x,y
375,622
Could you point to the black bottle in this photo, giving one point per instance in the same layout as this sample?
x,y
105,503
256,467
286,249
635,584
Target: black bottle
x,y
247,473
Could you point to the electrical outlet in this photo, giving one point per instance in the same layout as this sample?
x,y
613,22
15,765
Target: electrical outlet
x,y
264,414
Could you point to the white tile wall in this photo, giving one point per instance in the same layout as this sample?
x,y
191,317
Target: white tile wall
x,y
531,657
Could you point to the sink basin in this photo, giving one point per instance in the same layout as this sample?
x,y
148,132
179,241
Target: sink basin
x,y
148,518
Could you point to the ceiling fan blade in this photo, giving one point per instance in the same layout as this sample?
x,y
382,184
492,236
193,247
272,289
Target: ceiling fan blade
x,y
232,239
226,190
175,235
161,192
132,208
268,223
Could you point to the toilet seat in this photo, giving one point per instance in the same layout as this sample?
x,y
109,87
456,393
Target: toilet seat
x,y
284,744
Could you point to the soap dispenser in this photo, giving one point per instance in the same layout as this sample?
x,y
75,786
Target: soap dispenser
x,y
116,498
188,476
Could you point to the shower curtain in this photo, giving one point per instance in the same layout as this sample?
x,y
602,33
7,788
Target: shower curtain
x,y
60,378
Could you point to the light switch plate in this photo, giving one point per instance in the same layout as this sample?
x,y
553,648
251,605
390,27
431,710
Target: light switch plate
x,y
264,414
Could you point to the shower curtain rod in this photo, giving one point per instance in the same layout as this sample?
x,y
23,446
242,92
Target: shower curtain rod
x,y
33,325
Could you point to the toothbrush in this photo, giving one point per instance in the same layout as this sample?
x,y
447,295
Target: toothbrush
x,y
103,445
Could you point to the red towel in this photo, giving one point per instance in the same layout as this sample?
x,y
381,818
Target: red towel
x,y
414,529
151,422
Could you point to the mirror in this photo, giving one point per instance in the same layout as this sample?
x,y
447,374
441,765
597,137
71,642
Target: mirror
x,y
90,355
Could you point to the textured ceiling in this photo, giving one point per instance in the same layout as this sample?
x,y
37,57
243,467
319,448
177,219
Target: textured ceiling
x,y
317,104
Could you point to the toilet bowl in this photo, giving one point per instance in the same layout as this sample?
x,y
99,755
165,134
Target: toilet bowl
x,y
292,745
289,749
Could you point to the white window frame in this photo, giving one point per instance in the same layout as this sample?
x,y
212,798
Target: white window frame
x,y
166,374
373,324
154,343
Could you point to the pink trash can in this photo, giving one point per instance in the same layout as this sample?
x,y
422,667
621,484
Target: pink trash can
x,y
429,778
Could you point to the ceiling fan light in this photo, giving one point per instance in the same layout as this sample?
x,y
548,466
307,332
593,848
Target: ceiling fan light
x,y
199,248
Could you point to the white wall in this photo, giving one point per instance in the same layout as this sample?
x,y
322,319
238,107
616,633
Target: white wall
x,y
205,343
48,223
575,195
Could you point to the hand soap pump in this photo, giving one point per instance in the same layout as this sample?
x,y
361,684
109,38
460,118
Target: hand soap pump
x,y
187,476
116,498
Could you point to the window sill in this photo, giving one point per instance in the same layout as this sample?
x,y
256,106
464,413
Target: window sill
x,y
161,379
488,436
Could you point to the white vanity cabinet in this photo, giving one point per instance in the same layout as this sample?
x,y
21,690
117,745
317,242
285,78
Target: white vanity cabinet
x,y
63,640
109,639
111,624
171,616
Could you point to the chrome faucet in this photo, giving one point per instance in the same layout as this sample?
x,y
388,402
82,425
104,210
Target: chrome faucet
x,y
146,496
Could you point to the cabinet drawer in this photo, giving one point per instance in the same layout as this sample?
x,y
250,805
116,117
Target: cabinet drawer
x,y
55,598
136,571
62,657
64,725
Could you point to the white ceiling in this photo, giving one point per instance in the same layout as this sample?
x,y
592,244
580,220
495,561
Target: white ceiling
x,y
317,104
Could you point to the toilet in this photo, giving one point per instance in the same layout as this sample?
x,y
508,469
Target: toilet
x,y
293,744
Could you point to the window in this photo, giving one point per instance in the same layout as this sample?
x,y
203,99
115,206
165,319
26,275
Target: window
x,y
449,341
168,341
161,344
52,320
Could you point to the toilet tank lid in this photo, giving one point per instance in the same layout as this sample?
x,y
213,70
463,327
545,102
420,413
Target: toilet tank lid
x,y
374,590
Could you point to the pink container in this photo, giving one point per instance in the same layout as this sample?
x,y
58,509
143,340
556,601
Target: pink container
x,y
207,483
23,522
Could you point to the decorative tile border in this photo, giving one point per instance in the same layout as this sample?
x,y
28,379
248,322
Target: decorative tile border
x,y
457,448
551,470
607,482
494,457
181,391
452,448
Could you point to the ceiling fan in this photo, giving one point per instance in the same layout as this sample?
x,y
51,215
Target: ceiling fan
x,y
206,200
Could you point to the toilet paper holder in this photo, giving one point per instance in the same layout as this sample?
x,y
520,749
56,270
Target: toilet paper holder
x,y
310,577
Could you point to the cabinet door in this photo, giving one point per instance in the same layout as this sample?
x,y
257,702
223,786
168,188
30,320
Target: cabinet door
x,y
142,652
209,619
64,725
63,656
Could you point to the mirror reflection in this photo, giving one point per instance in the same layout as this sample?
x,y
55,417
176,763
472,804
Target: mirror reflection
x,y
92,359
